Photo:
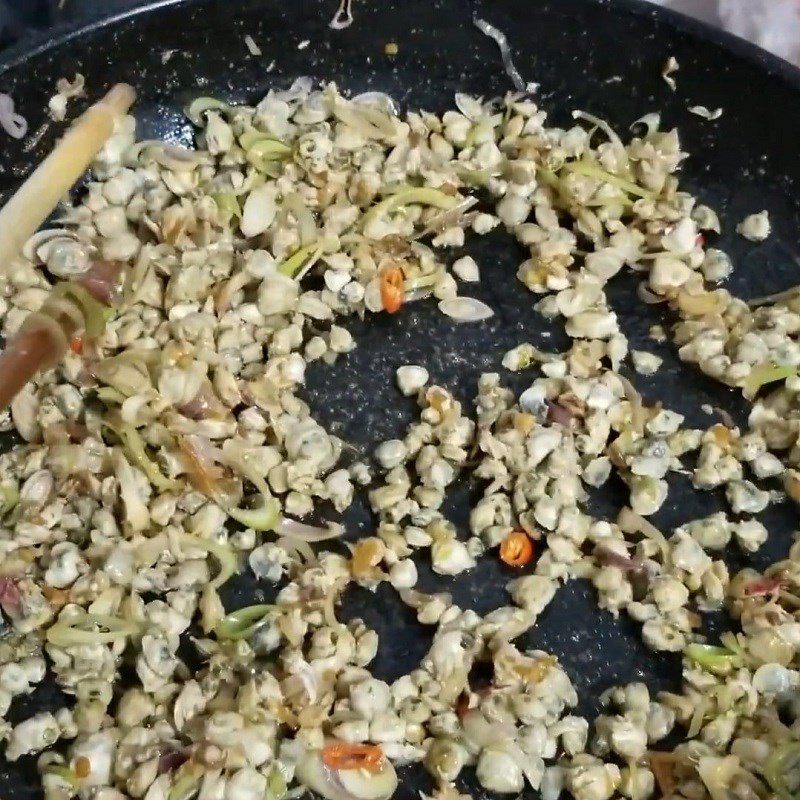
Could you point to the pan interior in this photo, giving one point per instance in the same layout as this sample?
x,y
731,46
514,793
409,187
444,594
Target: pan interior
x,y
600,57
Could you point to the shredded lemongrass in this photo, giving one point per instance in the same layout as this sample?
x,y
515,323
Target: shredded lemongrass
x,y
548,177
761,376
329,610
612,135
222,552
718,660
133,281
592,170
371,122
636,404
63,772
449,217
134,447
95,314
480,131
261,149
109,395
195,110
228,205
137,515
424,281
187,780
252,136
421,195
9,497
299,547
377,117
157,150
395,187
115,371
90,629
379,100
777,297
276,783
292,265
472,177
222,303
421,287
701,708
306,226
631,522
244,622
729,639
784,757
263,518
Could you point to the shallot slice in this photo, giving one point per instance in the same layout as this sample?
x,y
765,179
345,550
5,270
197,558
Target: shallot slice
x,y
308,533
102,281
15,125
9,597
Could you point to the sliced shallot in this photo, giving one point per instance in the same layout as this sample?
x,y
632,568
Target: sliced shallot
x,y
15,125
293,529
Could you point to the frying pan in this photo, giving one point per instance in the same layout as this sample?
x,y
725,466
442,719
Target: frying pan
x,y
602,57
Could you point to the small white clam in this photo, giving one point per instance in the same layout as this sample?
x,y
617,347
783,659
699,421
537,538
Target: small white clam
x,y
466,269
259,211
411,378
755,227
774,679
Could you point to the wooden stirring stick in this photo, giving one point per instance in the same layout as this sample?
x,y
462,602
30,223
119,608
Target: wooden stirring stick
x,y
35,200
45,335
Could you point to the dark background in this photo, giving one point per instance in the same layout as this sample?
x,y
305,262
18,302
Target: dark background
x,y
18,17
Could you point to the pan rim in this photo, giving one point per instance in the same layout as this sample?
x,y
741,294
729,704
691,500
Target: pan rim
x,y
41,42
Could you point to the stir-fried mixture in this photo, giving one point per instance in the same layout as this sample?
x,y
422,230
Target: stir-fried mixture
x,y
172,449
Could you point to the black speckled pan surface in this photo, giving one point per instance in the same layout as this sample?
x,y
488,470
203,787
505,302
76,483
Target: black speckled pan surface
x,y
602,57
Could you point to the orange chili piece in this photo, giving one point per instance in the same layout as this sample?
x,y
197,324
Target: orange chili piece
x,y
344,755
516,549
392,289
56,597
76,345
83,767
